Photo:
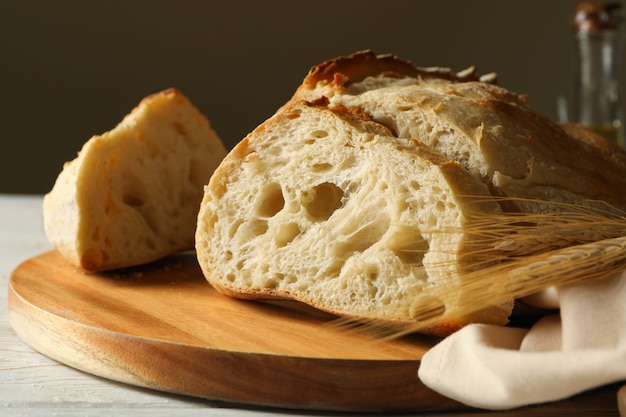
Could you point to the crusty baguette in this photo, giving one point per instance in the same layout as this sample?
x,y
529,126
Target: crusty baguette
x,y
490,130
329,208
132,194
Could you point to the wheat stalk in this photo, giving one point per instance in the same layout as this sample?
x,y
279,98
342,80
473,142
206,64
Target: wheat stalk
x,y
528,275
521,254
564,224
496,284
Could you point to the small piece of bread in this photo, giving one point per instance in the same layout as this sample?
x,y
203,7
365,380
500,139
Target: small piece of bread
x,y
132,194
329,208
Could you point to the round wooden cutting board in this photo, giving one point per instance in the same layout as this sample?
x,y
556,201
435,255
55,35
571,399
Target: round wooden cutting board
x,y
164,327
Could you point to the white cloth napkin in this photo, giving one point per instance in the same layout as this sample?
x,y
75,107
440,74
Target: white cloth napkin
x,y
497,367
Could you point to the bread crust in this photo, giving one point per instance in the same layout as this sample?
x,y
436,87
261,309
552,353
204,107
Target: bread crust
x,y
345,70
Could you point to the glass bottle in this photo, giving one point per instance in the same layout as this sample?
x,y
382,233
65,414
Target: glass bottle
x,y
596,101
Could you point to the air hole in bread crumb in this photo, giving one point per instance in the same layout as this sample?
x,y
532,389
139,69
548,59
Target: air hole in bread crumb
x,y
294,114
234,227
386,300
408,245
258,226
271,284
334,269
360,236
321,167
92,258
368,137
373,292
286,234
180,128
230,277
272,200
228,255
319,134
239,265
322,200
132,199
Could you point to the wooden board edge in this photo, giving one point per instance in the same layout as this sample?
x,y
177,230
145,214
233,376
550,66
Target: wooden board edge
x,y
232,377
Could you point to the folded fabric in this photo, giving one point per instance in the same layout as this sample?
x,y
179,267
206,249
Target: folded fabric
x,y
496,367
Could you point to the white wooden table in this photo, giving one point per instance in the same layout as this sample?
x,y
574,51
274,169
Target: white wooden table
x,y
34,385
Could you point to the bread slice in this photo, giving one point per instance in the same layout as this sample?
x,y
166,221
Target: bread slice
x,y
132,195
493,132
329,208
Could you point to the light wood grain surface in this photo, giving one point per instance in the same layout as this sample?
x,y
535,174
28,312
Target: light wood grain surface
x,y
162,326
31,384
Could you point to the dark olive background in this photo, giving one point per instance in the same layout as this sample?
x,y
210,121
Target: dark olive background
x,y
72,69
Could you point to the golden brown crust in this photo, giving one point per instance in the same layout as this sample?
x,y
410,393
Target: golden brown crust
x,y
356,67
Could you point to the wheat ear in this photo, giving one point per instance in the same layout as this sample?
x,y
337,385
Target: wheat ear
x,y
496,284
521,254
